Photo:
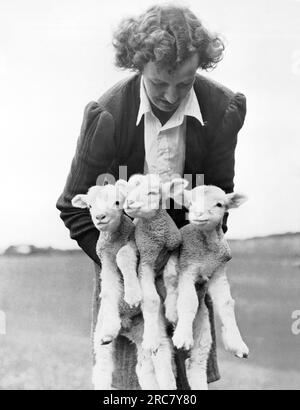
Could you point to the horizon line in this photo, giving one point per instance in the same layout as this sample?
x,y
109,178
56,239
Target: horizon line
x,y
54,247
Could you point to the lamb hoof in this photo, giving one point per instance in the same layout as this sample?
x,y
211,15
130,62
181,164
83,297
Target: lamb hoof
x,y
234,344
242,355
106,337
133,299
154,351
106,340
182,340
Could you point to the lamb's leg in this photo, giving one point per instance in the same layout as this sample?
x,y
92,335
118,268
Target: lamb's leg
x,y
103,368
144,368
171,285
150,308
109,321
187,306
219,290
127,263
163,360
196,365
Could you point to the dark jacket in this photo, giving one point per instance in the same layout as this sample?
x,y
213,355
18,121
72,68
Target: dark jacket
x,y
109,138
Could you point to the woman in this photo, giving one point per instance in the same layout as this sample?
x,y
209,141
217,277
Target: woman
x,y
165,119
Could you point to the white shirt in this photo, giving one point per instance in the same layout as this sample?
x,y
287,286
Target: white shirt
x,y
165,145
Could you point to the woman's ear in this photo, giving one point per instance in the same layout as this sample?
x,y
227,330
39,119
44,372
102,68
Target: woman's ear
x,y
80,201
235,200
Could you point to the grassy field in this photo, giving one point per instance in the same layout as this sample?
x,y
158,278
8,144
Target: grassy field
x,y
47,302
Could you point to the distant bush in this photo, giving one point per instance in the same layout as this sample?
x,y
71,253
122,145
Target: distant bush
x,y
31,250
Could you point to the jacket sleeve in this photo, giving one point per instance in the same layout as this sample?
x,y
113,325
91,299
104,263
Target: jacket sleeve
x,y
94,154
221,157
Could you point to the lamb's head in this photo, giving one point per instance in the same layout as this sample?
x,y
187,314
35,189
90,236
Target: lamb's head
x,y
105,204
146,195
207,204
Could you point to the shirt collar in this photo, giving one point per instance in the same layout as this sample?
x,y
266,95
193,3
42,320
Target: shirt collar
x,y
188,107
145,105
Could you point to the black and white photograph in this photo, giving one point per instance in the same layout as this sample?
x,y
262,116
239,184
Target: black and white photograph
x,y
150,211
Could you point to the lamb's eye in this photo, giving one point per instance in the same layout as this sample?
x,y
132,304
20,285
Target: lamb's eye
x,y
117,203
219,205
151,193
90,206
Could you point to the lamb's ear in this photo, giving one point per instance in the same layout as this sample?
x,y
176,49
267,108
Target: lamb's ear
x,y
80,201
235,200
122,187
135,180
176,190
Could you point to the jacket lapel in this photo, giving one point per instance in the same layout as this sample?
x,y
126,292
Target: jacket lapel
x,y
136,160
197,137
195,151
131,152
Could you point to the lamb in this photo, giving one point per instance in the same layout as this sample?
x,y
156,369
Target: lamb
x,y
155,231
202,258
116,249
118,254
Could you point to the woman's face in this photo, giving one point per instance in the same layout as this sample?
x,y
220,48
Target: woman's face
x,y
166,89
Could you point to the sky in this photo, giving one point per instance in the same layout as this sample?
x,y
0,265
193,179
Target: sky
x,y
56,56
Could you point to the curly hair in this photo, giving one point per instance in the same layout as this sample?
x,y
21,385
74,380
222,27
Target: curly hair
x,y
167,35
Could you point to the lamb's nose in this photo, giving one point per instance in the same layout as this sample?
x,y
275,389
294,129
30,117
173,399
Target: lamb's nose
x,y
201,215
130,202
100,217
